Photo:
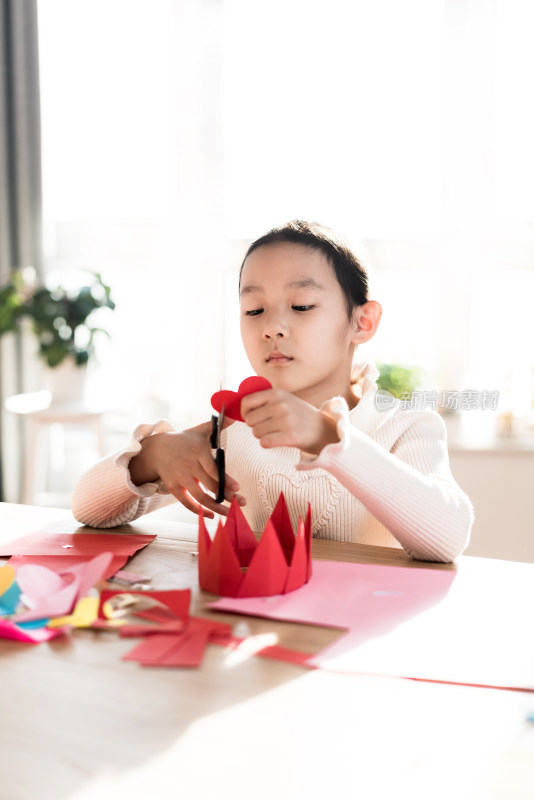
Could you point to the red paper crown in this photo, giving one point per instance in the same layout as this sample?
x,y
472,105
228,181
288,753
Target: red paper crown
x,y
235,564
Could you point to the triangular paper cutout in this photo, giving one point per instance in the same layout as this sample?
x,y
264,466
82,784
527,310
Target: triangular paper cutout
x,y
308,538
240,535
267,573
204,547
223,573
298,570
282,523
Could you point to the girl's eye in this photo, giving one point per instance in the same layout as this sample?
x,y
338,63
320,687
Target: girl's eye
x,y
254,312
302,308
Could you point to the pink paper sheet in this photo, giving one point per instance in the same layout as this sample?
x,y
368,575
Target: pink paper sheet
x,y
8,630
472,626
66,562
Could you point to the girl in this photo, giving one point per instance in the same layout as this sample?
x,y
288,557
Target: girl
x,y
371,475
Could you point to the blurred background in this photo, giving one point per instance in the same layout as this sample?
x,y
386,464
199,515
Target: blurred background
x,y
150,142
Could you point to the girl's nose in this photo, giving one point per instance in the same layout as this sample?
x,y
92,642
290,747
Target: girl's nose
x,y
273,334
274,328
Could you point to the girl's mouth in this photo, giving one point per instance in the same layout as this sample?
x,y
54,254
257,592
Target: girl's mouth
x,y
277,358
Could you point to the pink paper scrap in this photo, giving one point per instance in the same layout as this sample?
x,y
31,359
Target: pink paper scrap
x,y
470,626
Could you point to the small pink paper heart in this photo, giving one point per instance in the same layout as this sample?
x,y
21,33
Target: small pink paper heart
x,y
38,582
232,400
54,595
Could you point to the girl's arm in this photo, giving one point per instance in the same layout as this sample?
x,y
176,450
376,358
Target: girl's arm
x,y
105,495
410,490
159,466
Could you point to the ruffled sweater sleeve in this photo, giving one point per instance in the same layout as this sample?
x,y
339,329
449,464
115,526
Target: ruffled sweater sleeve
x,y
105,496
410,489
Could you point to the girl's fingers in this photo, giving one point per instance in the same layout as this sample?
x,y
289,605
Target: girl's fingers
x,y
231,486
252,418
183,497
204,429
231,483
274,440
208,481
264,428
208,467
255,400
207,501
188,496
268,412
211,477
229,495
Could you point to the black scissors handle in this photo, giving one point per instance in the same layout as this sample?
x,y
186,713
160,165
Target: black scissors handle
x,y
219,458
221,470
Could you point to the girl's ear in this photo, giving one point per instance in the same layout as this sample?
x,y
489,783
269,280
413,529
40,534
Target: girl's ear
x,y
365,320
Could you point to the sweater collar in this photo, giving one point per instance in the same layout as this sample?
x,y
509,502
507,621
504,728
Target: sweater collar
x,y
363,415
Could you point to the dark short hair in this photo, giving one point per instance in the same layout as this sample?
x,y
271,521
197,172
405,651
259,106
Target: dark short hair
x,y
349,272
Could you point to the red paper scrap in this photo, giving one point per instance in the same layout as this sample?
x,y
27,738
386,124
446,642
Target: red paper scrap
x,y
168,628
275,651
188,651
181,650
159,614
215,630
232,400
151,649
129,578
76,544
287,654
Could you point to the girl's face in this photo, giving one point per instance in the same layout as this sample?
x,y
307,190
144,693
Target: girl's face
x,y
294,322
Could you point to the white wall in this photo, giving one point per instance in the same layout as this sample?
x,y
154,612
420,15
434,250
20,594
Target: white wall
x,y
500,484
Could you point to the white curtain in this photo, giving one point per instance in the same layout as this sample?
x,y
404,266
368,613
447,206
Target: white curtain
x,y
20,195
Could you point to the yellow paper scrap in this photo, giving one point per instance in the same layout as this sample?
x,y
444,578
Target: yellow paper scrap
x,y
85,612
7,576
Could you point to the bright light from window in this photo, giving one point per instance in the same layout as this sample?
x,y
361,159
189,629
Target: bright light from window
x,y
378,119
514,120
334,113
107,110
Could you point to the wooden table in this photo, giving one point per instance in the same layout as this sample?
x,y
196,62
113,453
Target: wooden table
x,y
76,722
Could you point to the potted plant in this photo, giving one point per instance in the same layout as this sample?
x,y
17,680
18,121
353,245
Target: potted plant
x,y
398,380
61,318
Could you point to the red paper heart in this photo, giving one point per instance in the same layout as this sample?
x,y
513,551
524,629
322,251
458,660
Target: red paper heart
x,y
232,400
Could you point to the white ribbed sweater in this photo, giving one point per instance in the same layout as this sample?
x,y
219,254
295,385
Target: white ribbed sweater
x,y
387,481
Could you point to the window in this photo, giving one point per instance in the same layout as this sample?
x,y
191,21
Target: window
x,y
334,112
131,188
181,129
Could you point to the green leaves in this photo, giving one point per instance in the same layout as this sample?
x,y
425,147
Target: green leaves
x,y
61,318
397,380
11,306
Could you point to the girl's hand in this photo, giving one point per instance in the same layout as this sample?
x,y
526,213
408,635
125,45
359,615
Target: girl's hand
x,y
279,419
184,463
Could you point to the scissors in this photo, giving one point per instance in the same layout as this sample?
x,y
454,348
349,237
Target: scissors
x,y
217,423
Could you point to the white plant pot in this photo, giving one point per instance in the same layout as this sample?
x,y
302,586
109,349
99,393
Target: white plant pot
x,y
67,382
